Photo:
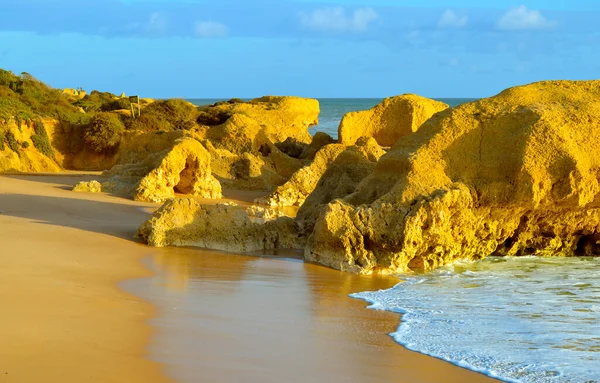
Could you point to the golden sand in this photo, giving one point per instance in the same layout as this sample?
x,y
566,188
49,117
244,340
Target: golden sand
x,y
63,319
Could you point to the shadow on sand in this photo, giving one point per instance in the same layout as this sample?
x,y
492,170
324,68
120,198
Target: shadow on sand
x,y
116,219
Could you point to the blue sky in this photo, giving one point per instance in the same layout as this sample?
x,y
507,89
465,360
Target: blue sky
x,y
336,48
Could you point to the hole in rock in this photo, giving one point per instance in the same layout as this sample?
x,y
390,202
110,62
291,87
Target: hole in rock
x,y
187,177
588,246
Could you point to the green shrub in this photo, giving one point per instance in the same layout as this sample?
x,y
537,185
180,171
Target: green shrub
x,y
25,144
102,102
103,133
167,115
12,141
25,98
149,122
2,139
41,141
213,116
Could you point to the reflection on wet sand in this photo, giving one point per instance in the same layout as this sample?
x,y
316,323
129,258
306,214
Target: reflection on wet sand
x,y
233,318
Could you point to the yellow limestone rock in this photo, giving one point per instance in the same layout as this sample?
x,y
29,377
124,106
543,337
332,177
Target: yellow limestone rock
x,y
264,120
387,122
319,140
244,171
182,168
186,222
88,187
515,174
340,179
303,182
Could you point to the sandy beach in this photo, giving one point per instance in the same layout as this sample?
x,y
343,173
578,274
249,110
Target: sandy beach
x,y
213,318
63,317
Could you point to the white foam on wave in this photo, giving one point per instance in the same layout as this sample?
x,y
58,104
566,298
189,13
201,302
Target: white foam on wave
x,y
516,319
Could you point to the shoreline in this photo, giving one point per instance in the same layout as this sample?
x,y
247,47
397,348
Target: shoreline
x,y
228,317
74,316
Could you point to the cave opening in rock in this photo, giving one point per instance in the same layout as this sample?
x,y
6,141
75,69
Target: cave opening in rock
x,y
188,176
588,246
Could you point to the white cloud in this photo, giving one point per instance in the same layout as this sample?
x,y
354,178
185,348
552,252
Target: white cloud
x,y
210,29
335,19
157,23
452,20
522,18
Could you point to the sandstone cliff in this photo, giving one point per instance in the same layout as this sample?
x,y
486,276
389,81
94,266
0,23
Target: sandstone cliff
x,y
514,174
25,147
387,122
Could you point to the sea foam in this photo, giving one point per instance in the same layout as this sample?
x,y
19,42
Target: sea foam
x,y
516,319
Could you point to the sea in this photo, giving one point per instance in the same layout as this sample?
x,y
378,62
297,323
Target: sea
x,y
525,319
333,109
517,319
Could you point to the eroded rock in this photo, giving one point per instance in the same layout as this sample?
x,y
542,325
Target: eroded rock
x,y
184,168
186,222
303,182
246,126
514,174
387,122
88,187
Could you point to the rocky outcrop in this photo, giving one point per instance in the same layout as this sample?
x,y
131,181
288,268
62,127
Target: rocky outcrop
x,y
303,182
319,140
515,174
246,126
339,180
88,187
387,122
186,222
183,167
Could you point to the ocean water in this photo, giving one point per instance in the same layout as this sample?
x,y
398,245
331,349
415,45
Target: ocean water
x,y
516,319
333,109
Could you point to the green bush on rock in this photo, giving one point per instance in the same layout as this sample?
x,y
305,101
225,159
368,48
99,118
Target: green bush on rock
x,y
41,141
166,115
103,133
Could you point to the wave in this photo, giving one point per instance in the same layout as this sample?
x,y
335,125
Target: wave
x,y
515,319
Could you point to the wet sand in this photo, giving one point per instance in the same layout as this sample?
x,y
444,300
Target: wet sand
x,y
229,318
218,317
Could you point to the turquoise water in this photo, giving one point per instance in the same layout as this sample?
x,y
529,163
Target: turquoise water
x,y
516,319
333,109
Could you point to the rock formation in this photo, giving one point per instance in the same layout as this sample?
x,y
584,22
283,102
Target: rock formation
x,y
88,187
186,222
515,174
183,167
246,126
387,122
339,180
303,182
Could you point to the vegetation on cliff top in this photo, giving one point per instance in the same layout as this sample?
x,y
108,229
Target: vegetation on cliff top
x,y
103,133
102,102
25,98
166,115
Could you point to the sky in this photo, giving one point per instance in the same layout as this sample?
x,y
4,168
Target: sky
x,y
327,48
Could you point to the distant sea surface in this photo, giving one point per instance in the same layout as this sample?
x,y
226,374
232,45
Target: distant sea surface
x,y
333,109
